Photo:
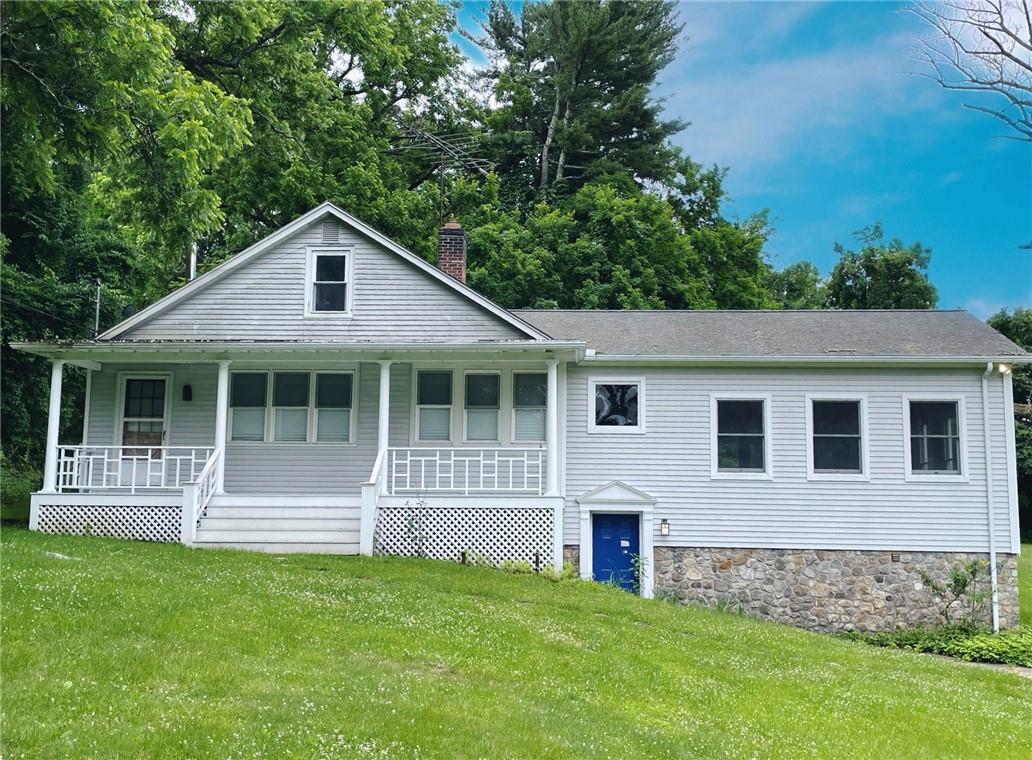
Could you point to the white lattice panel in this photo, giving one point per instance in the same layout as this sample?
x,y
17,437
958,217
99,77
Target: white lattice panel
x,y
135,522
445,532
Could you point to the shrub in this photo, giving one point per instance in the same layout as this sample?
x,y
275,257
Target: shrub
x,y
965,642
17,482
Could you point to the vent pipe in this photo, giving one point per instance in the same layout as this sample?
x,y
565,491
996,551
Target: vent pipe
x,y
193,261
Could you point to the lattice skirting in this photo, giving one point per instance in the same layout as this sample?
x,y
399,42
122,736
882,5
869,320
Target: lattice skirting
x,y
499,534
140,523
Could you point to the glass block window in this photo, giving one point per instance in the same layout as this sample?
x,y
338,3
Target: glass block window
x,y
529,404
837,437
934,437
247,401
616,405
483,397
740,435
434,405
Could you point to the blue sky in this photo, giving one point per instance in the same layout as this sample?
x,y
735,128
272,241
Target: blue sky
x,y
816,111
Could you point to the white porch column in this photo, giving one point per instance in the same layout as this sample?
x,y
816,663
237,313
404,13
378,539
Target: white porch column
x,y
384,428
552,428
221,423
53,427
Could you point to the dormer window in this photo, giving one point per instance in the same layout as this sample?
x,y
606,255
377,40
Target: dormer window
x,y
329,281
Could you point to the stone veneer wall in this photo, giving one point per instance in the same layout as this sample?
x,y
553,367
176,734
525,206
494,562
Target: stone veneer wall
x,y
823,590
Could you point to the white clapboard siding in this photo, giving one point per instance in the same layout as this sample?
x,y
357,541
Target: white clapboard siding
x,y
671,462
265,468
264,300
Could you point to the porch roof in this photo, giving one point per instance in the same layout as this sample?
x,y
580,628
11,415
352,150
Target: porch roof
x,y
91,353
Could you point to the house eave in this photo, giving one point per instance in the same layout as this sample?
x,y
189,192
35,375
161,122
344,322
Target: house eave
x,y
92,353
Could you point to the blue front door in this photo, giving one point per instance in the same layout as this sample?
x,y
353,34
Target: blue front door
x,y
614,546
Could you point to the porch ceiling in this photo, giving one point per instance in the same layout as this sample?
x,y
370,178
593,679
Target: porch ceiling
x,y
93,353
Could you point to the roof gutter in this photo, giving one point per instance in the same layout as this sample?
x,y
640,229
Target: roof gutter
x,y
831,359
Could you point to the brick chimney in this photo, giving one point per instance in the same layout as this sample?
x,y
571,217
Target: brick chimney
x,y
451,251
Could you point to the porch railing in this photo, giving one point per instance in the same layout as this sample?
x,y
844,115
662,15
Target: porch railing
x,y
129,468
465,471
196,496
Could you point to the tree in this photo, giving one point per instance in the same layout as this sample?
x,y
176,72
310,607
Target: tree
x,y
797,286
574,82
881,275
984,47
1017,326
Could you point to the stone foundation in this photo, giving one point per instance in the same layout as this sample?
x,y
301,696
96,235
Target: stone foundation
x,y
571,556
825,590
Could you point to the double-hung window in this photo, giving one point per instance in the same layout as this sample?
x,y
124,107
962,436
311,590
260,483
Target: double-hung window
x,y
483,401
329,289
433,405
935,437
836,429
290,406
333,393
247,401
529,402
741,437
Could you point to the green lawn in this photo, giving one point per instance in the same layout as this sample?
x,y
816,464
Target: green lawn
x,y
140,650
1025,585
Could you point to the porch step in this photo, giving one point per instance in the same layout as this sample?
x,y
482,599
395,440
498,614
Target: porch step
x,y
244,535
265,513
281,529
294,548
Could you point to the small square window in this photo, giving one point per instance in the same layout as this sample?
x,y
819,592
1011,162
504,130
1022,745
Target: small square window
x,y
616,405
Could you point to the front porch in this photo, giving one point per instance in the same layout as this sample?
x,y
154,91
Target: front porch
x,y
416,452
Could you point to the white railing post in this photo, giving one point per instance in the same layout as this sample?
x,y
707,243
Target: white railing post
x,y
221,422
188,522
552,429
53,427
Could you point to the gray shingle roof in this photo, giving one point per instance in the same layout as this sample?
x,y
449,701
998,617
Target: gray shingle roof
x,y
776,333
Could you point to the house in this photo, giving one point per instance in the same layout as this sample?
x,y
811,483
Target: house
x,y
328,391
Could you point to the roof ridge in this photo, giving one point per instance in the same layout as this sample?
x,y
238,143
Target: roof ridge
x,y
744,311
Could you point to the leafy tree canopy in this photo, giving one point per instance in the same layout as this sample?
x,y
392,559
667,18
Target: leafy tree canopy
x,y
881,274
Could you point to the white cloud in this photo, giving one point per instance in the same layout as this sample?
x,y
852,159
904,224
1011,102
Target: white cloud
x,y
755,112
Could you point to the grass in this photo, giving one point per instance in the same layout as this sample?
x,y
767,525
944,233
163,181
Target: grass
x,y
140,650
1025,585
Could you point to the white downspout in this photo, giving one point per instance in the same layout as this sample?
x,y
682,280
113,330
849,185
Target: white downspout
x,y
989,496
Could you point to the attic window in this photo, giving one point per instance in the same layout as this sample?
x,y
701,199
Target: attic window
x,y
329,281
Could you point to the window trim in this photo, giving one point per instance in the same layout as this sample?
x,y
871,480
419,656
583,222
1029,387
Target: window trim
x,y
268,437
349,283
457,382
465,410
768,438
596,380
122,377
924,476
512,410
865,460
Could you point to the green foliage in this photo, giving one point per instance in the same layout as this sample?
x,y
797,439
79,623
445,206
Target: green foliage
x,y
961,589
17,483
965,642
881,275
797,286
